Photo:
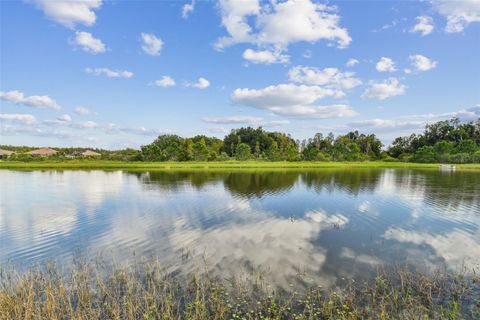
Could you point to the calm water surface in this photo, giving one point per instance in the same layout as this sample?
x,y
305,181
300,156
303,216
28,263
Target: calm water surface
x,y
293,227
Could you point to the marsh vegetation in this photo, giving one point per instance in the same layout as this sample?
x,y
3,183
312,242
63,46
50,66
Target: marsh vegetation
x,y
89,290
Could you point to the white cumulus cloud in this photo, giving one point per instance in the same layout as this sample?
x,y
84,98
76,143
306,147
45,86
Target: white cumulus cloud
x,y
70,12
151,45
109,73
165,81
201,83
385,65
17,97
459,14
278,24
65,118
265,56
352,62
292,100
22,118
187,9
280,95
88,43
385,89
328,77
424,25
422,63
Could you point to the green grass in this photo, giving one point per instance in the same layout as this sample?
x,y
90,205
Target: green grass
x,y
144,291
97,164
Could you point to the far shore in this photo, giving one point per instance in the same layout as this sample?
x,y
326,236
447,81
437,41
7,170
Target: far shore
x,y
99,164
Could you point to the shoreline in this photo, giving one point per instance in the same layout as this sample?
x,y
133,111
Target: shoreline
x,y
147,291
96,164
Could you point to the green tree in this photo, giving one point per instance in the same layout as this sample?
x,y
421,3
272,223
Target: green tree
x,y
443,147
291,153
200,150
425,154
273,153
443,150
259,141
448,137
223,157
243,152
461,158
476,157
257,150
164,148
466,146
188,152
310,152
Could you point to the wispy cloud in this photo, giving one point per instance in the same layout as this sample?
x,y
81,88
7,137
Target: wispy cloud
x,y
22,118
109,73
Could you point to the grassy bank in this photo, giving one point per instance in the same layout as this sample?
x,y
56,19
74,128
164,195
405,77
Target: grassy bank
x,y
96,164
143,291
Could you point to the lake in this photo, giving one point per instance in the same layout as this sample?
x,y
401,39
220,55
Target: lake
x,y
292,227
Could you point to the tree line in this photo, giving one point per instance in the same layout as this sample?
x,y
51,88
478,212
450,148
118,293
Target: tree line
x,y
449,141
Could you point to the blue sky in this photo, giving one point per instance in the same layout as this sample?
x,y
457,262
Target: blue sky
x,y
115,74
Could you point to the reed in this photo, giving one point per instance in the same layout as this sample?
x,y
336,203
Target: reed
x,y
89,290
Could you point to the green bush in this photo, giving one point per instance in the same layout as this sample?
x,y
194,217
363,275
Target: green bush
x,y
476,157
385,157
223,157
466,146
425,154
322,156
212,156
25,157
243,152
405,157
461,158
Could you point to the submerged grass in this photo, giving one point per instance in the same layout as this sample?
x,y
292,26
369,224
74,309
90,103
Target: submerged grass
x,y
101,164
145,291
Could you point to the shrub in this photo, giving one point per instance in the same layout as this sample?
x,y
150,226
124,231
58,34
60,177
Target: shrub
x,y
476,157
243,152
466,146
223,157
405,157
24,157
425,154
322,156
386,157
212,156
461,158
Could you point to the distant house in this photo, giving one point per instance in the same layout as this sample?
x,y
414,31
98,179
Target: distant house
x,y
90,153
75,154
5,153
43,152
